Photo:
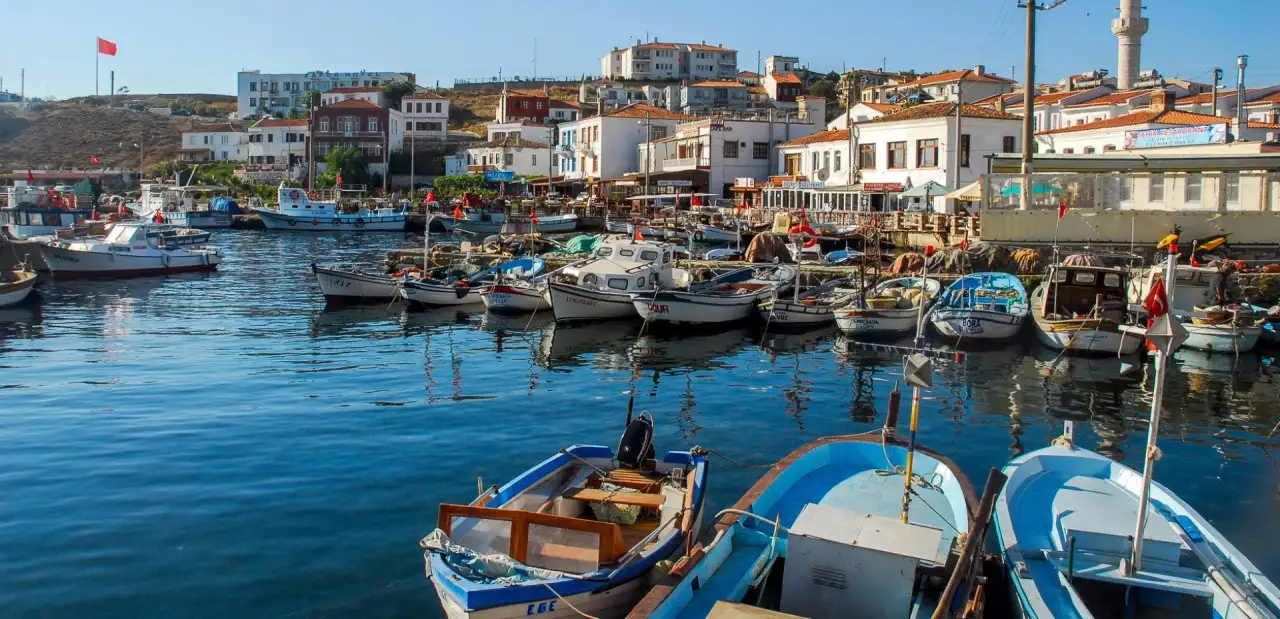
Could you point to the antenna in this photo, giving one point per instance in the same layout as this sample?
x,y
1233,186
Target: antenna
x,y
823,174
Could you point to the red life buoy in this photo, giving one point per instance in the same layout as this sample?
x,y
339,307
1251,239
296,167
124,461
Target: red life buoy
x,y
294,194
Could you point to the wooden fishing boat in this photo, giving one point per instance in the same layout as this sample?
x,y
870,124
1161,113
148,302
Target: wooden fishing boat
x,y
15,286
890,309
1081,308
517,297
982,306
458,287
579,532
1212,326
350,285
320,211
830,518
600,288
811,308
724,299
730,232
1065,525
129,249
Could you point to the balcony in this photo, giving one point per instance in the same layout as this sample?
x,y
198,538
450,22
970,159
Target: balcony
x,y
348,134
683,163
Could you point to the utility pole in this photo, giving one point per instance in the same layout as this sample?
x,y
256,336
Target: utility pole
x,y
648,151
413,152
848,125
111,96
1217,80
1242,116
1028,98
959,130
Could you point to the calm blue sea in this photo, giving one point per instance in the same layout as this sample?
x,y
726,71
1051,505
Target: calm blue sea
x,y
221,445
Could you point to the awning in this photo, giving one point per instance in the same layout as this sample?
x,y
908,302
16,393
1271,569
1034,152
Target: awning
x,y
931,188
969,193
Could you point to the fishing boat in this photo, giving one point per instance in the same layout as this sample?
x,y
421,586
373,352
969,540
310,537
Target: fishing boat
x,y
463,284
890,309
811,308
982,306
723,299
824,535
1081,308
351,285
15,286
129,249
1065,524
499,220
730,232
321,211
600,288
517,297
843,257
177,204
1212,325
579,533
28,211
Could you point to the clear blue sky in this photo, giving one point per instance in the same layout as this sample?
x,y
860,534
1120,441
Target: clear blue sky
x,y
176,46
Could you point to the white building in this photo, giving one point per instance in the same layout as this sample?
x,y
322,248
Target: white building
x,y
659,60
1048,107
1111,134
1258,103
511,154
221,142
607,96
277,93
712,153
372,94
526,129
426,116
1264,109
604,147
862,111
278,142
563,111
975,84
895,152
705,96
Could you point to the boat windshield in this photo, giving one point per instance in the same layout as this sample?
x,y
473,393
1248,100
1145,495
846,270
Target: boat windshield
x,y
120,234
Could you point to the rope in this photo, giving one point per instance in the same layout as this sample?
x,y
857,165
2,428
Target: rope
x,y
568,603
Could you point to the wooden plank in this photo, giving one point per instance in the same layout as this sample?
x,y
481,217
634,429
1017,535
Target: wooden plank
x,y
729,610
621,498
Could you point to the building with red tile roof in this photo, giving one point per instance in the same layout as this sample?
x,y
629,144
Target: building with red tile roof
x,y
976,84
657,60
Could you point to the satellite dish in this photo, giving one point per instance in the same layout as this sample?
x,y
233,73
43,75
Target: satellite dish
x,y
823,174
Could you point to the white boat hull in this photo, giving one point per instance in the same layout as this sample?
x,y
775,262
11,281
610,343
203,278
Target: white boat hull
x,y
614,602
1222,338
64,261
275,220
712,234
18,294
440,294
873,322
1089,340
548,224
570,302
976,324
798,314
684,308
338,285
514,299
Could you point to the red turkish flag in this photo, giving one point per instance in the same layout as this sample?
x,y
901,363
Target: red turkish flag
x,y
1157,305
638,235
696,201
457,212
1062,209
339,180
94,159
31,178
106,47
431,196
534,218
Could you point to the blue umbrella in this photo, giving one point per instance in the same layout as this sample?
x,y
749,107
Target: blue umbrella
x,y
1015,190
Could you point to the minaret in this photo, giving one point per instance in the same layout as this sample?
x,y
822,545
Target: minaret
x,y
1129,28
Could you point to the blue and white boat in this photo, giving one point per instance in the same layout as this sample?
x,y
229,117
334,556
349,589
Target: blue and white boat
x,y
1065,524
28,211
843,257
983,306
578,533
178,204
833,512
890,309
464,284
321,211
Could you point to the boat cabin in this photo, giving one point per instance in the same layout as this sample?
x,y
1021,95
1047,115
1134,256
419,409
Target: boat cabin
x,y
27,210
325,203
1080,291
1195,287
626,265
176,198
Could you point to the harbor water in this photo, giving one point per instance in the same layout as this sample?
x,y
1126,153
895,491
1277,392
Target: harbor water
x,y
224,446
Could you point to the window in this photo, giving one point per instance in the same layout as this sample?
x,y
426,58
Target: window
x,y
759,150
897,155
626,253
524,105
437,107
640,282
927,153
964,150
1155,188
1085,277
867,156
508,159
539,105
731,149
373,124
533,159
1231,187
1010,144
792,164
1108,148
816,156
837,161
408,126
1126,189
1068,151
206,139
1193,191
1089,150
648,255
271,137
253,87
826,160
253,102
595,164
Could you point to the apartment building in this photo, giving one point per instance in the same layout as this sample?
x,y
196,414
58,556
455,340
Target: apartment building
x,y
277,93
426,116
221,142
658,60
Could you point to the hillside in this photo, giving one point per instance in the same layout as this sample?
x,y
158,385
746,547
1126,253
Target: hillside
x,y
471,111
66,135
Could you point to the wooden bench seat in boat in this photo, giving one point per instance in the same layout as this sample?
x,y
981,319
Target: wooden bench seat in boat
x,y
627,478
596,495
610,535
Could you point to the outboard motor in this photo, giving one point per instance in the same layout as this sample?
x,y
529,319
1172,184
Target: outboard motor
x,y
636,444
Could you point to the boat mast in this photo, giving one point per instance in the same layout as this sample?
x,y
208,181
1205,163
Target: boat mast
x,y
918,371
1166,333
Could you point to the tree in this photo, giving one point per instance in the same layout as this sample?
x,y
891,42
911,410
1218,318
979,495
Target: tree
x,y
351,163
825,89
296,113
311,99
396,91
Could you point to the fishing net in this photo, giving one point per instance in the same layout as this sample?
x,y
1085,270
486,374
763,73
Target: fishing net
x,y
581,244
1028,260
622,515
493,568
768,248
1081,260
907,263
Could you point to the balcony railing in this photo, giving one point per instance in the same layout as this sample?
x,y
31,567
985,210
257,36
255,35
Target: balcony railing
x,y
348,134
684,163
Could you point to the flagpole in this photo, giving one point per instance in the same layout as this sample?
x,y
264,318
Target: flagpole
x,y
95,67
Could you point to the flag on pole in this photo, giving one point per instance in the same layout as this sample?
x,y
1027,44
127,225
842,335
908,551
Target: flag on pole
x,y
31,178
1156,304
638,235
94,159
695,201
431,196
1062,209
105,47
534,218
338,179
457,212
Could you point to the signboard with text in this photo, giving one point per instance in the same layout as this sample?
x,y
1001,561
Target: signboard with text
x,y
675,183
744,181
1198,135
802,185
495,176
881,187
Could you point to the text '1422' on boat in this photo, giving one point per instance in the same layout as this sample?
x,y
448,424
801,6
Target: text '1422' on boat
x,y
600,287
578,534
981,306
724,299
130,249
342,284
324,210
1080,307
889,309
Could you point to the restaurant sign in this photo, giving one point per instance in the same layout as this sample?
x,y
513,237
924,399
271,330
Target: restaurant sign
x,y
493,176
1198,135
881,187
675,183
802,185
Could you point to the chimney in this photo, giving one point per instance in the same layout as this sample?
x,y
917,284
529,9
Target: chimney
x,y
1162,100
546,90
980,69
638,41
1000,104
